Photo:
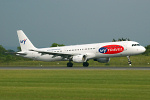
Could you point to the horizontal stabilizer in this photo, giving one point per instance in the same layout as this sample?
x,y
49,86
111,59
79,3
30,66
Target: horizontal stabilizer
x,y
17,53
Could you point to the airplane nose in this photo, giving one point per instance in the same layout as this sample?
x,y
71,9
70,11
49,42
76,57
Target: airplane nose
x,y
143,49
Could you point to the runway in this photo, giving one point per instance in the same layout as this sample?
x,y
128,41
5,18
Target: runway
x,y
74,68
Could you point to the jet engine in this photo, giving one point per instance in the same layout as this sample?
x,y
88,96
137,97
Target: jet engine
x,y
102,60
79,58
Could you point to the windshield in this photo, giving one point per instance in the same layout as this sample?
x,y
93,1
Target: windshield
x,y
135,44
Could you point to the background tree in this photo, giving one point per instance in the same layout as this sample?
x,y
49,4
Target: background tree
x,y
2,50
121,39
9,50
57,45
128,39
147,52
19,48
8,58
113,40
2,53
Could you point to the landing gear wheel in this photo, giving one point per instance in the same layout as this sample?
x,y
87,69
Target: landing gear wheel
x,y
69,64
129,61
85,64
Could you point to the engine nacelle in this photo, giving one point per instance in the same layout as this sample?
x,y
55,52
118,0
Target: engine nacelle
x,y
79,58
102,60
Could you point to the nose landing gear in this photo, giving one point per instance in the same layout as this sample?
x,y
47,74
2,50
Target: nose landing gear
x,y
129,61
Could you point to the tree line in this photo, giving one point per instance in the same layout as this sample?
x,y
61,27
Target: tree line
x,y
9,55
121,39
6,57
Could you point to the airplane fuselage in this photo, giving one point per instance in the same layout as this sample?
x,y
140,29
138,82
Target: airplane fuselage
x,y
93,51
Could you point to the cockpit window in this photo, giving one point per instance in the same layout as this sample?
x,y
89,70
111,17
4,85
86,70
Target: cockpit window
x,y
135,44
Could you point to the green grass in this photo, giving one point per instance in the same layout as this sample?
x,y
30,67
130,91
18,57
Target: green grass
x,y
74,85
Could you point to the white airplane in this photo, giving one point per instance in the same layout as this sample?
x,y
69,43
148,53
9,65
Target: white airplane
x,y
100,52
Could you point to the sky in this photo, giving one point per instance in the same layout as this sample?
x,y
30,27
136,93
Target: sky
x,y
72,22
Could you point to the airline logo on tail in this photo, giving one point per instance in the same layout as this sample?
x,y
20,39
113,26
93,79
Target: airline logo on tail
x,y
23,41
111,49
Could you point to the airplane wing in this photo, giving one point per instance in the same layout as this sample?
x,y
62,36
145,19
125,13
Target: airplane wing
x,y
53,53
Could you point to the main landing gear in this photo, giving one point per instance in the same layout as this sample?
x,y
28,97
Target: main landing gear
x,y
129,61
70,64
85,64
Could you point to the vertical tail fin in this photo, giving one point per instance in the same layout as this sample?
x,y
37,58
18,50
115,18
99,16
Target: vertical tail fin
x,y
25,43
